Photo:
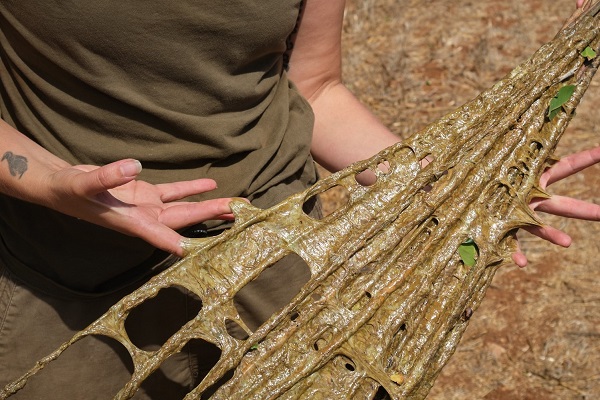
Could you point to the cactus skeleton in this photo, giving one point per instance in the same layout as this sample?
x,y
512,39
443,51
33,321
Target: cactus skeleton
x,y
389,294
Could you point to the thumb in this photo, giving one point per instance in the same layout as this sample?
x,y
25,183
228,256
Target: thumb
x,y
109,176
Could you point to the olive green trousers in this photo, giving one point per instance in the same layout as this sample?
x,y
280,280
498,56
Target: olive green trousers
x,y
32,325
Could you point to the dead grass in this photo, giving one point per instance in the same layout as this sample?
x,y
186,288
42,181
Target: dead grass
x,y
537,334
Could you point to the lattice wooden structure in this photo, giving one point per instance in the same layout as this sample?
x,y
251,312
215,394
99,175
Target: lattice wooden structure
x,y
389,295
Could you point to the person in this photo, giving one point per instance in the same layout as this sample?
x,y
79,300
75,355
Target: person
x,y
199,94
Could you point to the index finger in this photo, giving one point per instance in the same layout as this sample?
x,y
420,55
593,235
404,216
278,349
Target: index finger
x,y
570,165
178,190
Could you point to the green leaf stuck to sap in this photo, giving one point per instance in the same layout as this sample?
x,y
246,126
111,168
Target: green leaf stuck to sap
x,y
563,95
588,53
468,252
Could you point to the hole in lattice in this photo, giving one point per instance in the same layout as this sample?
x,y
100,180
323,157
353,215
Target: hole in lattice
x,y
294,316
535,147
198,354
322,341
272,290
431,226
384,167
318,344
429,158
361,303
382,394
400,334
468,252
437,177
222,381
427,188
203,357
515,177
333,199
235,330
369,176
426,230
440,175
347,363
150,324
78,370
366,178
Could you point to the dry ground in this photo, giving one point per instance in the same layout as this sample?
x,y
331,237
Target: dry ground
x,y
537,334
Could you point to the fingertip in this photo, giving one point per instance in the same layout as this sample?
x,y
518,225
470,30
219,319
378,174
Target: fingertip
x,y
560,238
207,183
130,168
99,179
214,185
226,205
566,241
204,185
520,259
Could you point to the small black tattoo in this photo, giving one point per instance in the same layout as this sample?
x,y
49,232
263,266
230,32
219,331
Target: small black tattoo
x,y
17,165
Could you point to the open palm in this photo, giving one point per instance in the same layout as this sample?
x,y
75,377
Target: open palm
x,y
110,196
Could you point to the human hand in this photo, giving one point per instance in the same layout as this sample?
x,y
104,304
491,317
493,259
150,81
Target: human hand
x,y
560,205
111,196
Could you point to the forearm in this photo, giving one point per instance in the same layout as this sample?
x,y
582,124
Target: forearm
x,y
109,196
345,130
25,166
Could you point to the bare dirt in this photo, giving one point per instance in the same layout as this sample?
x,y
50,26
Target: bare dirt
x,y
537,333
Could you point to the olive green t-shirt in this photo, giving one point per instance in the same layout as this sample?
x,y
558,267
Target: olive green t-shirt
x,y
192,88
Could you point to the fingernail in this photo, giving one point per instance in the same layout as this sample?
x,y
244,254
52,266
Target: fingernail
x,y
131,168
